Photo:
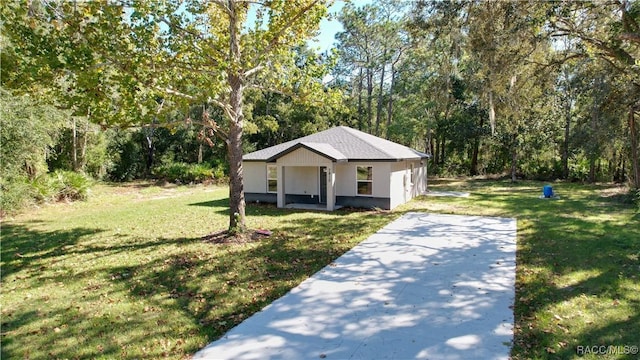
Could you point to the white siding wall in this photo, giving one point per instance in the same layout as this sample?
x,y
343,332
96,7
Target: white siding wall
x,y
397,188
402,188
346,179
301,180
420,186
255,176
381,181
301,174
303,157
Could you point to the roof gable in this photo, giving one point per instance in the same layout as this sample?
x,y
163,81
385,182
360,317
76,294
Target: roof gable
x,y
321,149
341,144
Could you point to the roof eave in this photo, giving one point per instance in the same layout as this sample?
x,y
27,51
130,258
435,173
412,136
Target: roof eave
x,y
301,145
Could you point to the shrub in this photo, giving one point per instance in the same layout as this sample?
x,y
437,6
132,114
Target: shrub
x,y
28,129
579,170
71,185
14,194
61,185
57,186
184,173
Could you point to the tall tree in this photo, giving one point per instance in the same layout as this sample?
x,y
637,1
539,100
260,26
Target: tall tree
x,y
136,56
357,47
607,32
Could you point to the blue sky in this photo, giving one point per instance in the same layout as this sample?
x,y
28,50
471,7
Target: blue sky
x,y
329,28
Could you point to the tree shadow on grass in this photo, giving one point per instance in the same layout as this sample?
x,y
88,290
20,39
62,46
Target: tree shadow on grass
x,y
195,295
563,248
179,290
223,204
561,241
219,291
22,246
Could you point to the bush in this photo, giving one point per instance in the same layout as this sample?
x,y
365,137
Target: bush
x,y
71,185
57,186
14,194
61,185
579,170
185,173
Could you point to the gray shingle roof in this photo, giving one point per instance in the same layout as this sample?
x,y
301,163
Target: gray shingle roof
x,y
339,144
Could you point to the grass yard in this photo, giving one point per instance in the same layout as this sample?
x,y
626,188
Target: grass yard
x,y
578,266
127,274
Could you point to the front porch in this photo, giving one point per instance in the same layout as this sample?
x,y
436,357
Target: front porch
x,y
306,187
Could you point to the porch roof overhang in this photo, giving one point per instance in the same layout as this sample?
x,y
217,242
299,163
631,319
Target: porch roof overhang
x,y
322,149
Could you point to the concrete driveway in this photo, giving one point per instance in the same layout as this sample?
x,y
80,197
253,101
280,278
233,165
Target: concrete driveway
x,y
426,286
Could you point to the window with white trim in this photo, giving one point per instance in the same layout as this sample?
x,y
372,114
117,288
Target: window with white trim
x,y
365,180
272,178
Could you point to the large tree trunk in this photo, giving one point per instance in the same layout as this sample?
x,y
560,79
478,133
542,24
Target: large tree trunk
x,y
236,188
234,140
633,132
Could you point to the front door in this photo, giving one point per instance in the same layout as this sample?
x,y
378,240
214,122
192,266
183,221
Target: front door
x,y
323,184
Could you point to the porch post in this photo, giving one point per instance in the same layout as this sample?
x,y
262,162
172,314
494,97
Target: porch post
x,y
281,193
331,187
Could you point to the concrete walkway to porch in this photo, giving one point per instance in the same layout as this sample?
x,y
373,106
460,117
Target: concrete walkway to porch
x,y
426,286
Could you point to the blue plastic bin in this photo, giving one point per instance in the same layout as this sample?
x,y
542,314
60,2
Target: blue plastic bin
x,y
547,191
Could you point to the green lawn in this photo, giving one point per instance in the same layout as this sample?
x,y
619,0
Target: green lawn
x,y
127,274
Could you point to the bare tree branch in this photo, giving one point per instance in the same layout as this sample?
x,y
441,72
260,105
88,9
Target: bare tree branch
x,y
225,107
175,92
250,72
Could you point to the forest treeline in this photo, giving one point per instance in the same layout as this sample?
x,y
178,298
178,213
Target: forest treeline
x,y
528,89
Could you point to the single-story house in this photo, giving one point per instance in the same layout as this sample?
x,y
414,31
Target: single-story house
x,y
337,167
